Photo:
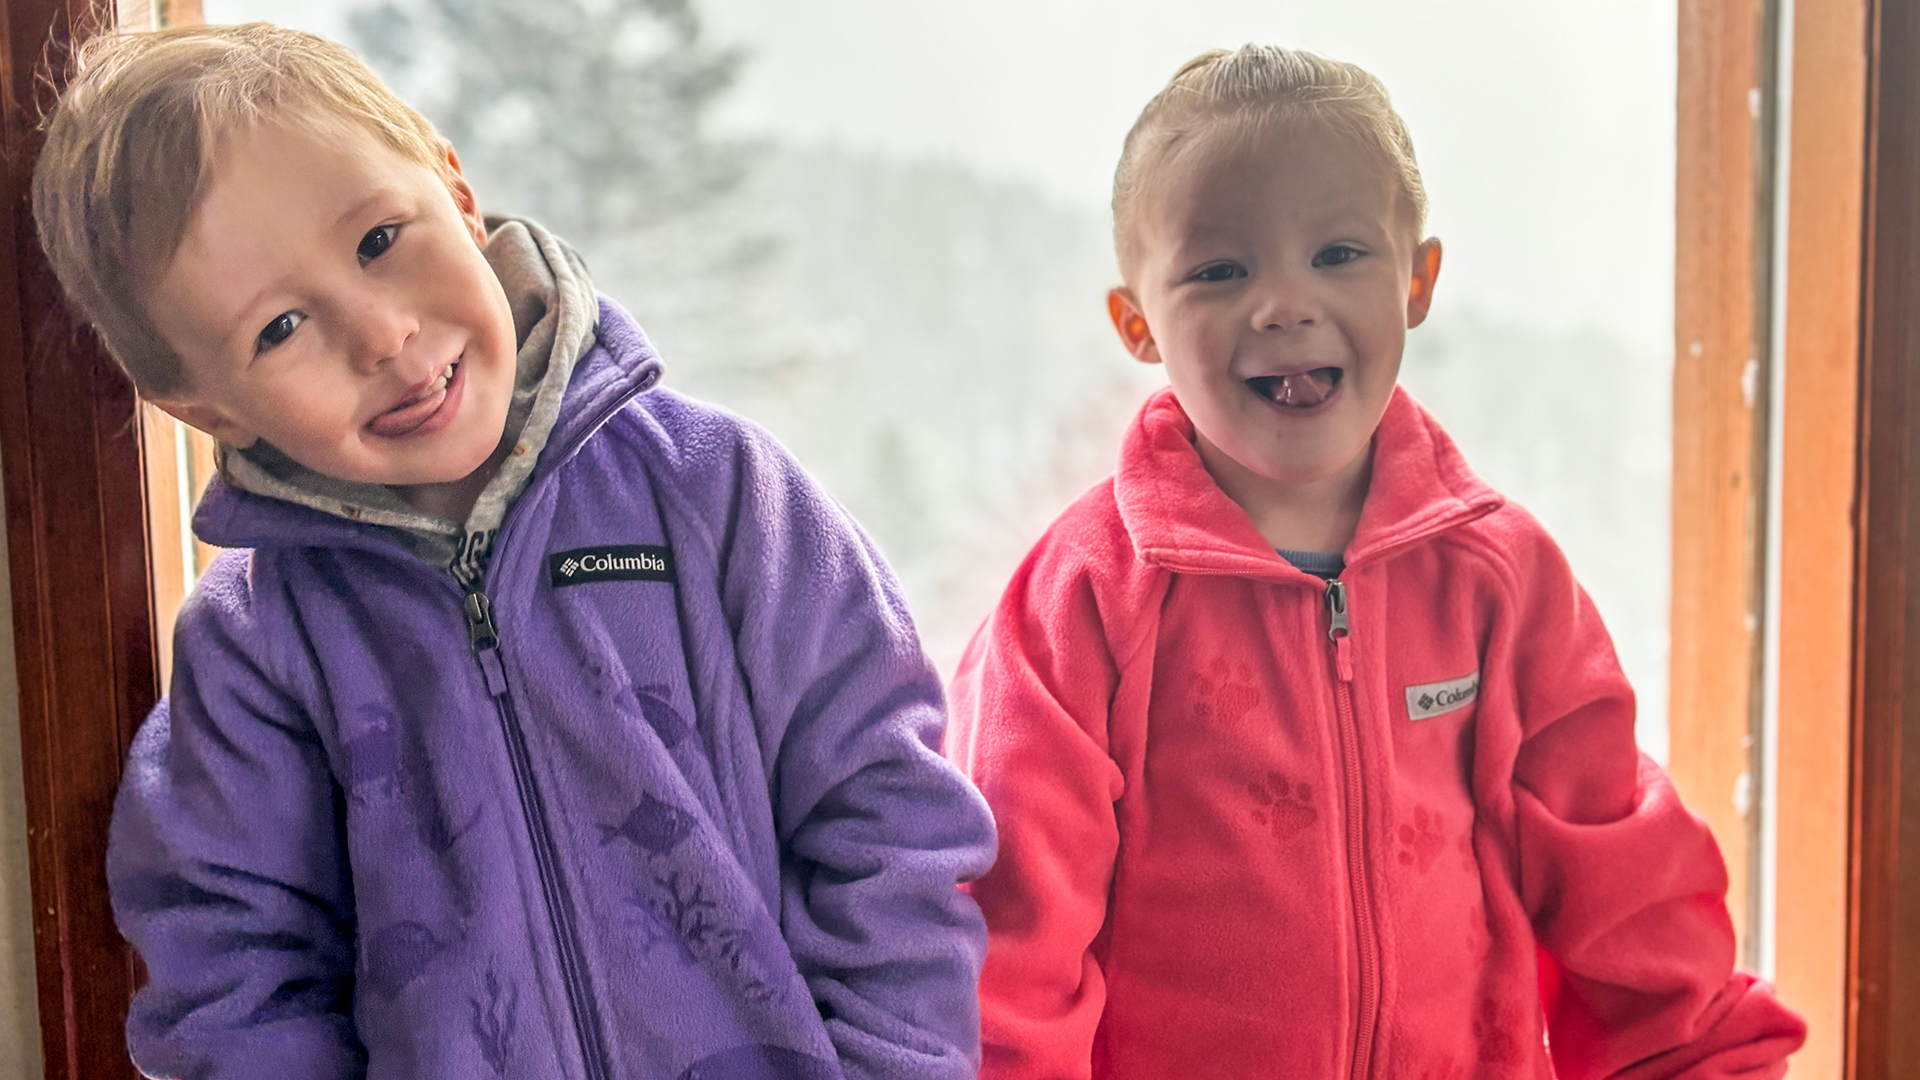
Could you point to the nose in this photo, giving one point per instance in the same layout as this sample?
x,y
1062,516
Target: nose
x,y
1284,301
380,328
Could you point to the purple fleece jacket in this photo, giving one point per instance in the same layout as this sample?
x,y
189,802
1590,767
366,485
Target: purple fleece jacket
x,y
664,799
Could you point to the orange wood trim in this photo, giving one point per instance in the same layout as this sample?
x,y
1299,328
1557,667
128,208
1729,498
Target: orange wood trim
x,y
200,469
1717,422
133,14
168,507
146,14
161,460
1821,351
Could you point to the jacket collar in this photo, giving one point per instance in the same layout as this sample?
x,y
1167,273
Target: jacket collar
x,y
1179,519
620,365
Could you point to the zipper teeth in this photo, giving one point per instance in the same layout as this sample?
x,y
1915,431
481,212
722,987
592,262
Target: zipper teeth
x,y
1339,633
1357,881
553,888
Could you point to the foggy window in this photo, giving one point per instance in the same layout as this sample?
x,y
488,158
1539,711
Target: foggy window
x,y
880,230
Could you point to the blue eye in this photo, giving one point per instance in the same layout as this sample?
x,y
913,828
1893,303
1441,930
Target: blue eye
x,y
376,242
279,330
1220,271
1337,255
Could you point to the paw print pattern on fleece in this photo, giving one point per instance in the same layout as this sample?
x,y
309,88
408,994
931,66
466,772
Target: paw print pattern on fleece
x,y
1420,841
1493,1028
1285,807
1226,693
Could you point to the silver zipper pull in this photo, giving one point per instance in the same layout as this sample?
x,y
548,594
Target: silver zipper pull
x,y
1337,631
480,631
1336,610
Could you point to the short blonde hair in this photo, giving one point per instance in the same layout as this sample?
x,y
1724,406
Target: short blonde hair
x,y
1260,83
129,145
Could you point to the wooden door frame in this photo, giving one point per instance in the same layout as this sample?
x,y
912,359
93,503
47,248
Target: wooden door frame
x,y
82,608
1884,924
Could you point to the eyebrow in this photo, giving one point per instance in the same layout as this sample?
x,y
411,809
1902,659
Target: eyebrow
x,y
358,209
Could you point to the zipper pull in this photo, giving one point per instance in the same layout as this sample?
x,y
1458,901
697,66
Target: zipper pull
x,y
485,640
1337,631
480,630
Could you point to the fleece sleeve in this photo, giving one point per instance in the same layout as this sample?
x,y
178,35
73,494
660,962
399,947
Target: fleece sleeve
x,y
877,830
1030,726
227,868
1625,887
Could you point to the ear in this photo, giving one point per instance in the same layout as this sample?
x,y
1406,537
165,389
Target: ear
x,y
463,197
1128,319
211,419
1426,271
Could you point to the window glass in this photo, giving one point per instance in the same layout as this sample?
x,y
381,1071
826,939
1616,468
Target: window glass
x,y
880,229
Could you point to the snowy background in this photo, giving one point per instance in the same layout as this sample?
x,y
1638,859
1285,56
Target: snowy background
x,y
879,228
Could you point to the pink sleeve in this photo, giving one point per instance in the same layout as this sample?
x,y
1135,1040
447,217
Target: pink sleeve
x,y
1029,725
1626,888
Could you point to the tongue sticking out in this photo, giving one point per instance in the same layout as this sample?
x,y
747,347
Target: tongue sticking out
x,y
1303,390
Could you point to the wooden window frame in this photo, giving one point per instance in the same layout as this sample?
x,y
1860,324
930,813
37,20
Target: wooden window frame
x,y
1847,606
1740,193
1843,195
1884,912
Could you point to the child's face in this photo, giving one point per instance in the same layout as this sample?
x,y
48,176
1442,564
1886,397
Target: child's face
x,y
1276,275
330,297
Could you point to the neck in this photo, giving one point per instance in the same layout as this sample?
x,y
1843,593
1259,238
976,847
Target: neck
x,y
453,500
1312,515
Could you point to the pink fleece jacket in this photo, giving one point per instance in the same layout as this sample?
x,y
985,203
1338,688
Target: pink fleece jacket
x,y
1239,840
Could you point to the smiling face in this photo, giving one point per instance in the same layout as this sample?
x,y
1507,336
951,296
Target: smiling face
x,y
1275,275
330,297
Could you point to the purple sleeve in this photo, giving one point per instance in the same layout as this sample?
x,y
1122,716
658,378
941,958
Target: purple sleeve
x,y
227,867
877,829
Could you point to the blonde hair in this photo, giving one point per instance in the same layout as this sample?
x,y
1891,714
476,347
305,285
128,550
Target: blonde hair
x,y
129,144
1262,84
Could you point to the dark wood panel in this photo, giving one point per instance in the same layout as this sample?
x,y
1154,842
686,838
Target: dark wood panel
x,y
1884,936
82,615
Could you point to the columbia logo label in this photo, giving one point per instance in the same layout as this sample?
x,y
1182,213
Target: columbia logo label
x,y
1429,700
615,562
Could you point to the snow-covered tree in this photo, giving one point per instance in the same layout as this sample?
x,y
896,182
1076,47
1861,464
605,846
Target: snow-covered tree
x,y
591,115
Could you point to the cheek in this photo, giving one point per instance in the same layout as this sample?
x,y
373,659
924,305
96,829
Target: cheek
x,y
1196,336
321,416
1379,325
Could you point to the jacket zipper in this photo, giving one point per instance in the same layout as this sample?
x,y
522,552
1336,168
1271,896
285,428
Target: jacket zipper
x,y
485,639
1357,882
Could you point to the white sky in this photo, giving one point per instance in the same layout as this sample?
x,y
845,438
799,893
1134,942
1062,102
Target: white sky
x,y
1544,127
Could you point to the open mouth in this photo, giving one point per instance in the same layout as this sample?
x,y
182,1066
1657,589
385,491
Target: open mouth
x,y
1300,390
421,406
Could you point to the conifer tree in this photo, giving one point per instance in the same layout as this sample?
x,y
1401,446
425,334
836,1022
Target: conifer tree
x,y
589,115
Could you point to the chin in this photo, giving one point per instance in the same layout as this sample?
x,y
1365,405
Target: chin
x,y
444,468
1298,471
458,469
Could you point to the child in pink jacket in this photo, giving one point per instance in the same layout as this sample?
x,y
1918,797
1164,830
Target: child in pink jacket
x,y
1309,756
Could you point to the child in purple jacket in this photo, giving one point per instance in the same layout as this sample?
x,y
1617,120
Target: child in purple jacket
x,y
546,724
